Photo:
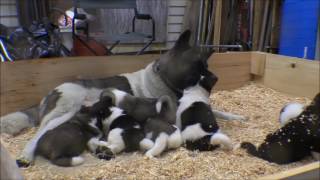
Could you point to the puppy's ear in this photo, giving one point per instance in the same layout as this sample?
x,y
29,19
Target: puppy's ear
x,y
183,41
208,81
106,100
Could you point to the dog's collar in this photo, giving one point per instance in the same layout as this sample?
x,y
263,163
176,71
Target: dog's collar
x,y
156,70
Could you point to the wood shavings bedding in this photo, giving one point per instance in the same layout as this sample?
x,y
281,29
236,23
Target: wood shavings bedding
x,y
260,104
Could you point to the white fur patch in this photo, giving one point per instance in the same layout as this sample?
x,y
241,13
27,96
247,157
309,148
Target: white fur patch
x,y
120,95
115,141
72,98
75,161
116,112
221,139
190,96
28,151
290,111
175,139
159,146
93,95
149,135
146,144
93,143
158,106
193,132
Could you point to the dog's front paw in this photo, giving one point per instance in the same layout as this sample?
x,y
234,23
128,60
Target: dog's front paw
x,y
23,163
103,152
149,155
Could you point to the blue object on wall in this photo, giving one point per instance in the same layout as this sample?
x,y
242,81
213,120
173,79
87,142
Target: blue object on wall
x,y
299,25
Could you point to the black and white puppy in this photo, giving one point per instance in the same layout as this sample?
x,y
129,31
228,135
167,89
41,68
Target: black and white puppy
x,y
163,134
64,144
295,140
195,118
141,108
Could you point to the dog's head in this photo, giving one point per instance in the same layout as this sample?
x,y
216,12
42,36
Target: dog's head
x,y
183,65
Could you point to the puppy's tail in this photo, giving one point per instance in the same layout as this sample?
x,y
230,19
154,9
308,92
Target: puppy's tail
x,y
251,149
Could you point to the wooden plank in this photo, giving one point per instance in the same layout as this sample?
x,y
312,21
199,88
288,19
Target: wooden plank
x,y
258,61
257,17
307,172
217,23
176,10
177,2
290,75
232,69
175,19
24,83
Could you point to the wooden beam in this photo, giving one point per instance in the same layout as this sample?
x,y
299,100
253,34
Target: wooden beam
x,y
258,61
307,172
217,23
293,76
257,18
24,83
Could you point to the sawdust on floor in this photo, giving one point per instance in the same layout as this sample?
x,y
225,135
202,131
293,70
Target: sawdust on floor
x,y
260,104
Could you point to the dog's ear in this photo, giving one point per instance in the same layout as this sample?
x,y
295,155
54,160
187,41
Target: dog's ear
x,y
183,41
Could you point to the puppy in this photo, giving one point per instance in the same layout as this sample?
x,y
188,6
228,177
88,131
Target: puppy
x,y
294,141
139,108
196,120
163,134
64,144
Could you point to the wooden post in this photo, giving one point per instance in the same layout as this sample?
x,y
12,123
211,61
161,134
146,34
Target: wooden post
x,y
217,23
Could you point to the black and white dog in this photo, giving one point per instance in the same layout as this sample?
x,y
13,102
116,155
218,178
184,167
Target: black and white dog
x,y
64,144
141,108
200,130
174,71
125,133
156,116
296,139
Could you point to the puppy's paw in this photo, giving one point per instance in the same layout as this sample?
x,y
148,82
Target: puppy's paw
x,y
23,163
149,155
103,152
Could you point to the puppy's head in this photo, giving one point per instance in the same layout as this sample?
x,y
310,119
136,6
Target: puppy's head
x,y
208,81
100,108
183,65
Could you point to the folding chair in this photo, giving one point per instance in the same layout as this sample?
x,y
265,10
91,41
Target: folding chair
x,y
115,4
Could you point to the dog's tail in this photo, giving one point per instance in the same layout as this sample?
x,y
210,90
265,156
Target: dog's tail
x,y
15,122
251,149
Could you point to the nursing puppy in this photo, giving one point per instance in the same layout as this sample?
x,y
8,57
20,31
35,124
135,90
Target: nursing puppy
x,y
162,133
140,108
200,130
64,144
294,141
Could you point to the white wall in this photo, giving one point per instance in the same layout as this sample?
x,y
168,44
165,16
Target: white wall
x,y
176,9
8,13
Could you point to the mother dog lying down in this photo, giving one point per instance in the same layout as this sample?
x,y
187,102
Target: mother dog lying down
x,y
177,69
